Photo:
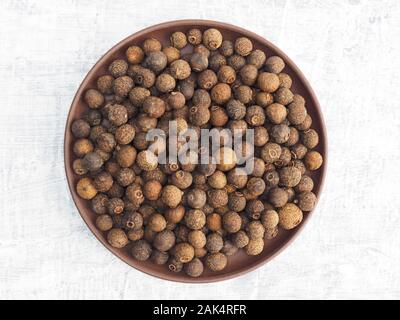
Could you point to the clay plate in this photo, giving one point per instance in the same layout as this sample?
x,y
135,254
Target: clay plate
x,y
240,263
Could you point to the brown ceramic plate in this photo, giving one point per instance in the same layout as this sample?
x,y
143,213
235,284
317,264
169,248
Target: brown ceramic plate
x,y
240,263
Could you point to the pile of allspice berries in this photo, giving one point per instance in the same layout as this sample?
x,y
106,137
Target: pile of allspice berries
x,y
190,216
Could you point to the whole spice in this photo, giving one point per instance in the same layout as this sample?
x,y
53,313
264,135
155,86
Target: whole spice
x,y
306,201
313,160
194,268
216,261
117,238
141,250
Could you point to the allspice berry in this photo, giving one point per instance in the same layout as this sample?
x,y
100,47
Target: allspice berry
x,y
172,54
248,74
135,54
92,161
103,181
141,250
178,40
226,159
313,160
115,206
164,241
285,80
106,142
157,222
176,100
198,62
195,219
152,190
171,196
255,247
174,265
104,222
99,204
214,242
79,167
165,83
194,36
306,201
290,216
255,116
289,177
280,133
256,58
255,230
212,39
94,99
196,198
237,177
214,222
306,124
135,235
117,238
150,45
226,74
216,261
227,48
256,186
275,64
276,113
156,61
236,61
218,116
159,257
125,134
154,107
271,152
254,208
231,222
217,180
306,184
80,129
243,46
122,86
268,82
182,179
147,160
264,99
175,215
236,201
118,68
240,239
117,114
105,85
217,198
269,219
296,113
197,239
180,69
310,138
126,156
132,221
283,96
82,147
278,197
235,109
184,252
207,79
244,94
221,93
194,268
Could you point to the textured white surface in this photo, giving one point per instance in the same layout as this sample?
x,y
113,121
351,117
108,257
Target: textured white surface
x,y
349,50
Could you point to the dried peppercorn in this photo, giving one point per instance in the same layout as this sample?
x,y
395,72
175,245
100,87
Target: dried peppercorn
x,y
197,239
237,177
165,83
96,131
275,64
306,201
226,159
218,116
132,221
231,222
248,74
201,98
141,250
212,38
117,238
171,196
243,46
255,247
143,76
104,222
183,252
125,134
154,106
147,160
156,61
134,194
152,190
271,178
217,198
99,204
278,197
310,138
306,184
264,99
216,261
214,242
280,133
283,96
290,216
195,219
256,58
178,40
236,61
103,181
172,54
261,136
289,176
226,74
115,206
236,201
93,118
196,198
164,241
229,249
94,99
268,82
118,68
269,219
207,79
92,161
227,48
157,222
194,268
293,137
80,129
313,160
244,94
105,84
174,265
221,93
194,36
255,116
180,69
217,180
271,152
122,86
175,215
276,113
254,209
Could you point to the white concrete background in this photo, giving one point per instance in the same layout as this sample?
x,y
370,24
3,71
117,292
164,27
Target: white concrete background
x,y
349,50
